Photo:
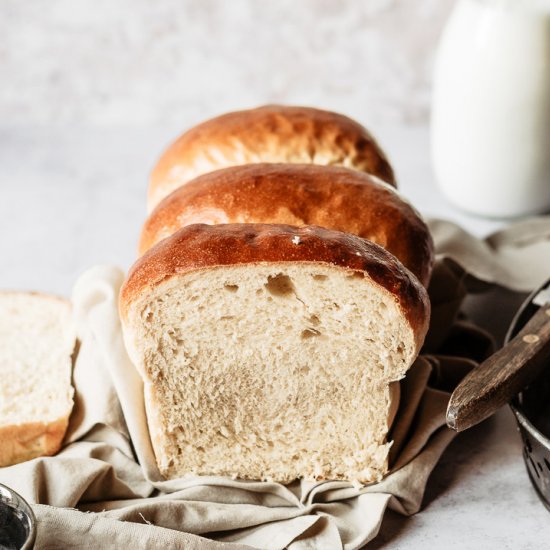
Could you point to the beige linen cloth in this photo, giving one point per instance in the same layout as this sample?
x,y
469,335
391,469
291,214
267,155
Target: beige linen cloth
x,y
103,489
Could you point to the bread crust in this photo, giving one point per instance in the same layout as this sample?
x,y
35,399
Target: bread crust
x,y
273,133
21,442
196,247
299,194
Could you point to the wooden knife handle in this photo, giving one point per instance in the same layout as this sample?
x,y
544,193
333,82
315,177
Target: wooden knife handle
x,y
495,382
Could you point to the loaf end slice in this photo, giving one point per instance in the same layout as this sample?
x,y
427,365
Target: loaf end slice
x,y
271,352
272,133
37,341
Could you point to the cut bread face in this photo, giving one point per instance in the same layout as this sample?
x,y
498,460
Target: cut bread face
x,y
271,370
37,341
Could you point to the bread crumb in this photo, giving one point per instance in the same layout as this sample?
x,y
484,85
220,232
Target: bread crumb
x,y
296,239
224,431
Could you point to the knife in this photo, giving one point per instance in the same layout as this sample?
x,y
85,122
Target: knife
x,y
500,377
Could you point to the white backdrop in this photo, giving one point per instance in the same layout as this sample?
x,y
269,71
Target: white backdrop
x,y
146,62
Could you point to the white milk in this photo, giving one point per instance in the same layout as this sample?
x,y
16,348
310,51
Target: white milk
x,y
491,107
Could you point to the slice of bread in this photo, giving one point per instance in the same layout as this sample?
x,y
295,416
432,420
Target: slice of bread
x,y
36,397
270,351
299,194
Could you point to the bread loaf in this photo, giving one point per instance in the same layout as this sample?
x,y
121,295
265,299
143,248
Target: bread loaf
x,y
299,194
36,397
273,133
269,351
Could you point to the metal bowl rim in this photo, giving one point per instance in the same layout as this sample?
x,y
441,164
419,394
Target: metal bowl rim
x,y
528,426
515,405
29,542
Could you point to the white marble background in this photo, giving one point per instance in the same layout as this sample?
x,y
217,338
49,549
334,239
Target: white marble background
x,y
142,62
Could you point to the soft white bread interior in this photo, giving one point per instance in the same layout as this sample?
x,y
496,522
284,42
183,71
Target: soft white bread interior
x,y
37,340
270,351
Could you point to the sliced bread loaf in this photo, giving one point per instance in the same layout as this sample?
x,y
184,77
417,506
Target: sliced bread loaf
x,y
270,351
273,133
299,194
36,397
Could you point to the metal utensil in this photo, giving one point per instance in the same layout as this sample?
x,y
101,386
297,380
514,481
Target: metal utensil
x,y
531,408
17,521
503,375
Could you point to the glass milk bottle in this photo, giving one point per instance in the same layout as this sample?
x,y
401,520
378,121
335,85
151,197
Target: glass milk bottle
x,y
490,131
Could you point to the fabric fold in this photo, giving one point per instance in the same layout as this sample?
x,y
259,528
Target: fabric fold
x,y
516,257
107,467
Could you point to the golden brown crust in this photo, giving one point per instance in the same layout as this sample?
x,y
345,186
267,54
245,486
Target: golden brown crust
x,y
200,246
299,194
272,133
21,442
